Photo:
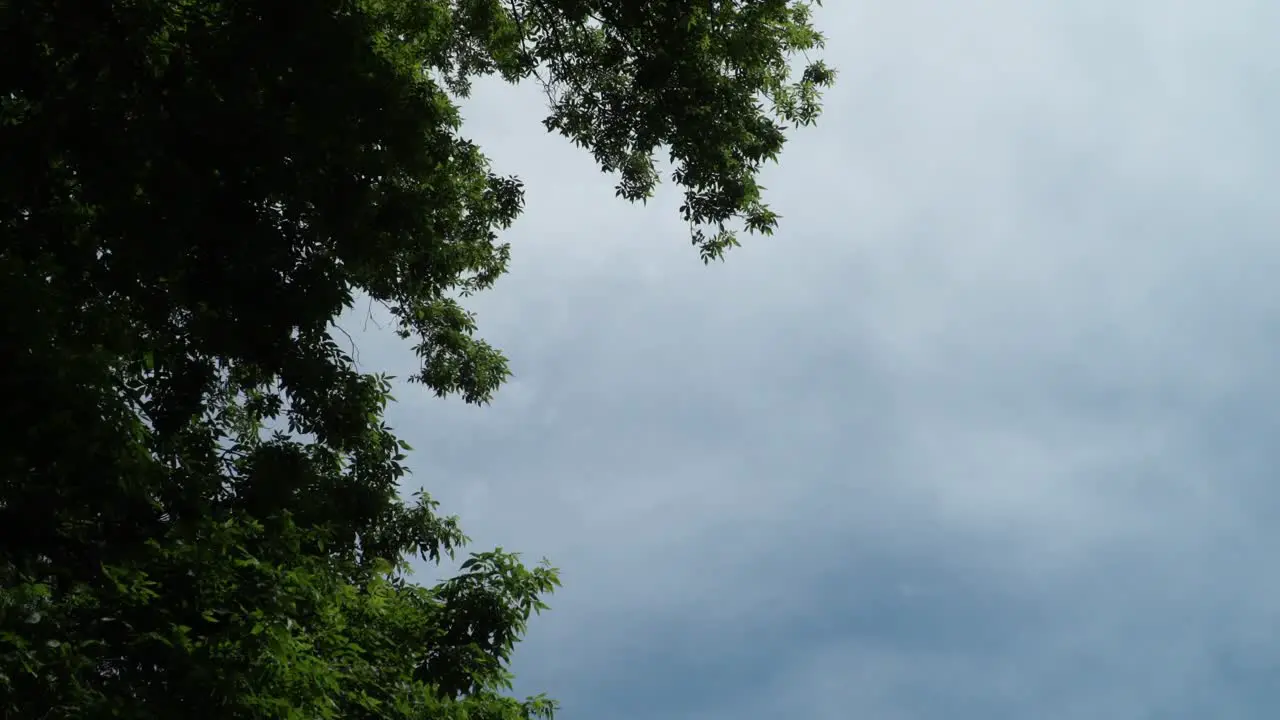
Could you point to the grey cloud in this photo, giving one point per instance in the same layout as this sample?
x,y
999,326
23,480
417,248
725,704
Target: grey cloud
x,y
984,432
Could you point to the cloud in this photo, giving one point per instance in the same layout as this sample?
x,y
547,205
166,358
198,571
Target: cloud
x,y
984,432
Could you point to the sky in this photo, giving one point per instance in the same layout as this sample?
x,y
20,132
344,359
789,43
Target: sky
x,y
985,431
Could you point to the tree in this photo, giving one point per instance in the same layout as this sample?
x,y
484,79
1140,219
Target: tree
x,y
199,500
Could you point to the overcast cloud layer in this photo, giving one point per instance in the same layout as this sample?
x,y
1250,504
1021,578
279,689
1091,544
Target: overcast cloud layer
x,y
986,431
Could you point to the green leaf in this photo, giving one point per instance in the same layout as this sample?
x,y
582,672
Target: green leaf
x,y
191,194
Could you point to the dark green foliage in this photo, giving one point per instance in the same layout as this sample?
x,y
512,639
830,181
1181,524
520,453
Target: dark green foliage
x,y
199,500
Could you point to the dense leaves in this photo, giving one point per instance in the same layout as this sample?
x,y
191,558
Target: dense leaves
x,y
200,509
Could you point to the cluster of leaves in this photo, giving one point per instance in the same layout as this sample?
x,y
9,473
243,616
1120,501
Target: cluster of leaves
x,y
200,509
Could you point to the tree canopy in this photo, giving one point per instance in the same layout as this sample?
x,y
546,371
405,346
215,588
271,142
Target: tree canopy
x,y
200,502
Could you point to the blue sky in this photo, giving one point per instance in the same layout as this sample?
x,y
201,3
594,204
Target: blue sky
x,y
984,432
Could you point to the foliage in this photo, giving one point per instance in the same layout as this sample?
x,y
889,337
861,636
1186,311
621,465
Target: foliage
x,y
200,512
